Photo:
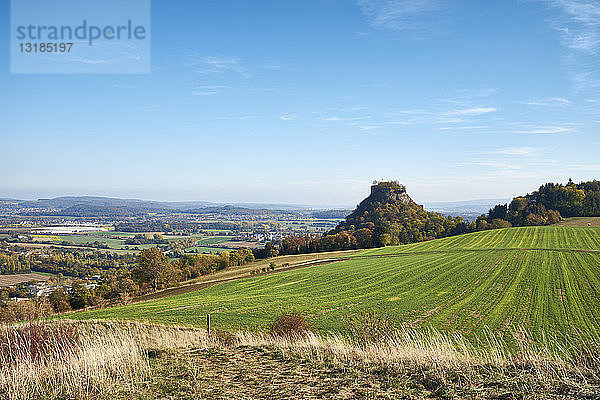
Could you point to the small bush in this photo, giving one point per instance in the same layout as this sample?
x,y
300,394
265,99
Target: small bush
x,y
290,325
25,310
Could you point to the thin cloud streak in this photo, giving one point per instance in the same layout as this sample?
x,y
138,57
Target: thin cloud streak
x,y
217,65
473,111
551,102
545,130
208,90
398,15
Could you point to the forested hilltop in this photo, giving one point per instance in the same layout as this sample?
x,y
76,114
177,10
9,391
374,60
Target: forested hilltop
x,y
388,216
548,205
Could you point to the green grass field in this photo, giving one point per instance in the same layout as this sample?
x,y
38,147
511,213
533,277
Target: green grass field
x,y
526,238
546,279
214,240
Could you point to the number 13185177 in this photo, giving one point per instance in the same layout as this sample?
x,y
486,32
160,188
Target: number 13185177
x,y
45,47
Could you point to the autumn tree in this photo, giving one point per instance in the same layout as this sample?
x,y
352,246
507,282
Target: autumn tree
x,y
59,300
154,268
80,296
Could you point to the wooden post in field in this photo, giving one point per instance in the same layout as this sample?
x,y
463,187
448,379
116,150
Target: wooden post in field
x,y
208,323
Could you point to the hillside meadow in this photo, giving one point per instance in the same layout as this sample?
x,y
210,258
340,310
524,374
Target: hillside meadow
x,y
545,280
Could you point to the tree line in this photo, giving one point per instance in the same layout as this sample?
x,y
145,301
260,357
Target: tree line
x,y
548,205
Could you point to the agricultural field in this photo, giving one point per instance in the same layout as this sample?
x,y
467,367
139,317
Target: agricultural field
x,y
113,243
523,238
116,241
15,279
202,245
214,240
545,279
183,237
204,249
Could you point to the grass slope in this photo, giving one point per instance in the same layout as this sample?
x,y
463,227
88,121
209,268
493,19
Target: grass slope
x,y
546,279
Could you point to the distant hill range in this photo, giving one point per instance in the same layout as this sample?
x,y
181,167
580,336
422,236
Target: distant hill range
x,y
544,206
94,206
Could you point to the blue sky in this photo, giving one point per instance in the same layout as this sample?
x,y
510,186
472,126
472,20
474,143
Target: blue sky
x,y
309,101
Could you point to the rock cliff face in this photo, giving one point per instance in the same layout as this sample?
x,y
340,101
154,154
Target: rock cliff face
x,y
389,192
387,203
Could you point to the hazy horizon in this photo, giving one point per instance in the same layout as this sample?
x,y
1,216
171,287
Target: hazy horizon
x,y
238,202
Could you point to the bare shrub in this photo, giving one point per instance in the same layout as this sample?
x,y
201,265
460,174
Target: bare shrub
x,y
25,310
293,324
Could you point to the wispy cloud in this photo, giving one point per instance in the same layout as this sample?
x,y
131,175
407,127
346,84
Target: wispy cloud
x,y
208,90
472,111
495,164
272,67
543,130
341,119
584,167
578,27
463,128
525,154
550,102
217,64
287,117
398,15
519,151
367,128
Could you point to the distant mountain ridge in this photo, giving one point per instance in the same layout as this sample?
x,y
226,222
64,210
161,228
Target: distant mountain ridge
x,y
90,206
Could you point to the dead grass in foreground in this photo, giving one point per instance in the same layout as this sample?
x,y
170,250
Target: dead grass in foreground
x,y
133,360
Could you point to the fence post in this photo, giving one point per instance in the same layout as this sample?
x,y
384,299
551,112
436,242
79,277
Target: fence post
x,y
208,323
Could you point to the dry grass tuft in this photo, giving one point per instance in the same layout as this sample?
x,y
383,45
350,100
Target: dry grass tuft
x,y
68,360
